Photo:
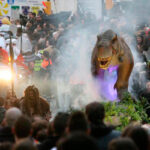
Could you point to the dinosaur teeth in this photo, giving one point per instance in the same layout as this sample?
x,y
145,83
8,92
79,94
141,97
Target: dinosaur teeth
x,y
104,62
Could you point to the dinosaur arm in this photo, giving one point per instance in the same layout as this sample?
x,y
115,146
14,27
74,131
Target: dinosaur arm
x,y
124,72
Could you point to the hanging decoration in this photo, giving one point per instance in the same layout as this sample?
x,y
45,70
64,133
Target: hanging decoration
x,y
15,12
4,8
35,9
25,10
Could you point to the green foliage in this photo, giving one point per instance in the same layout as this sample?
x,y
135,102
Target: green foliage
x,y
126,111
122,113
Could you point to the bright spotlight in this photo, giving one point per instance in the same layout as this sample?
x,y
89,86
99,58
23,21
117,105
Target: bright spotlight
x,y
5,75
20,76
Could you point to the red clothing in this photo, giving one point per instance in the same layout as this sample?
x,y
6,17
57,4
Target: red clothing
x,y
20,63
46,63
4,58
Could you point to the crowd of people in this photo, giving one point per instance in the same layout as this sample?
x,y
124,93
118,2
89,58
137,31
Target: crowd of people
x,y
41,42
27,127
25,123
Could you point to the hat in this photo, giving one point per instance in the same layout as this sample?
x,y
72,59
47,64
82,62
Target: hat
x,y
6,21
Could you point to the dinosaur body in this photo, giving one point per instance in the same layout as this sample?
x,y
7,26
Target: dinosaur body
x,y
112,50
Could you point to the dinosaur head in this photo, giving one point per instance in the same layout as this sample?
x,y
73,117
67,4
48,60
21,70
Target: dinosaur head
x,y
106,50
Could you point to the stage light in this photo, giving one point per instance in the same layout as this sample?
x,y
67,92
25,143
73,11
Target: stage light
x,y
5,75
20,76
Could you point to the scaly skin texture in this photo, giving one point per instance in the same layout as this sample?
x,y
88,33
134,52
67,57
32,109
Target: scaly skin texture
x,y
114,49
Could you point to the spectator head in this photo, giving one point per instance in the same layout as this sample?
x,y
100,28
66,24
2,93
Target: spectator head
x,y
40,13
1,102
6,146
140,137
77,141
46,25
39,18
30,14
22,127
29,24
95,112
78,122
39,130
60,123
139,39
122,144
17,22
47,43
33,15
46,55
41,135
56,35
11,116
25,145
39,27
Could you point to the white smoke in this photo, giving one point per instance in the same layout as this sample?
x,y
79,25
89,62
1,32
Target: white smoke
x,y
72,82
75,86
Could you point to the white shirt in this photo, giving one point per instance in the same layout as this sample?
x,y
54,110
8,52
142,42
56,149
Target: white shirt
x,y
2,42
15,50
26,44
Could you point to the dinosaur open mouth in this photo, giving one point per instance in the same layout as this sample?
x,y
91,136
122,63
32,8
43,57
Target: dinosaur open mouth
x,y
104,62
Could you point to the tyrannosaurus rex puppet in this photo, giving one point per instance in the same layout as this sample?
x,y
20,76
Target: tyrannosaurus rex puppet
x,y
112,50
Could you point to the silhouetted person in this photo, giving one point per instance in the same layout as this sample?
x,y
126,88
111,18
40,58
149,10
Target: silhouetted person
x,y
104,134
25,145
78,123
10,118
33,105
58,126
140,137
22,129
77,141
122,144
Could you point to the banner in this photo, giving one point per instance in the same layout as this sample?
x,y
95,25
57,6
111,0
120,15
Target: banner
x,y
35,9
10,2
90,7
35,2
20,1
4,8
15,12
25,10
